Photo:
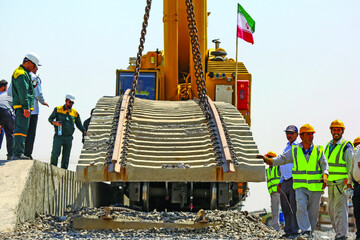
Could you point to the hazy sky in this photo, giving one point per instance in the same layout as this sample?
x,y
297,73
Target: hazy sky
x,y
304,62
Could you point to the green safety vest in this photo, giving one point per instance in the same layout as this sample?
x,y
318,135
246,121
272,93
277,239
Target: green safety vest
x,y
337,165
273,178
306,174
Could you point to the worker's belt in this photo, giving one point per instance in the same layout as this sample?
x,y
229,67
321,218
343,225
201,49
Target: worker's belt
x,y
338,181
289,179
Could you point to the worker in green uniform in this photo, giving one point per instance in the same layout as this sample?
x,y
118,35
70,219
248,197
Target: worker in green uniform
x,y
23,98
63,119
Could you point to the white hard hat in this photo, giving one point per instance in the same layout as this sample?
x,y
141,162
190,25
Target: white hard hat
x,y
70,96
33,57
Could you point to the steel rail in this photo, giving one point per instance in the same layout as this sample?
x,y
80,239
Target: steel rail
x,y
115,160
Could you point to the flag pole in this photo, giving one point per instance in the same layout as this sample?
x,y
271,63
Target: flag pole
x,y
236,68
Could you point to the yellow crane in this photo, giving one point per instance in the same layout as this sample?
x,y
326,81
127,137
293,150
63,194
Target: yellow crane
x,y
176,135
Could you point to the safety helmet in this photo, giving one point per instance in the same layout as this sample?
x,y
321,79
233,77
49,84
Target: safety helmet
x,y
70,96
337,123
357,140
34,58
271,154
307,128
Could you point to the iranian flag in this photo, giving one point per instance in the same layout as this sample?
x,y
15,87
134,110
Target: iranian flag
x,y
245,25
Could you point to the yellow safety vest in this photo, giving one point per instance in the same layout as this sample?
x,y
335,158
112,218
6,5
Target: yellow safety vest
x,y
337,165
306,174
273,178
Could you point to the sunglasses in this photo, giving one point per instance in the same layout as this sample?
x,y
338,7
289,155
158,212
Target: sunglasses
x,y
71,102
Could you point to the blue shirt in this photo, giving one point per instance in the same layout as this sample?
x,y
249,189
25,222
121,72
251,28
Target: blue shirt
x,y
286,170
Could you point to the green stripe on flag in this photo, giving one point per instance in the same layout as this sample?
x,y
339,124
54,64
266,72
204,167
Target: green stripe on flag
x,y
248,18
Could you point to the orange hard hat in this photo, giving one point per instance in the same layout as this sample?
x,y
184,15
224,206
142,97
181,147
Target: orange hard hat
x,y
337,123
307,128
270,154
357,140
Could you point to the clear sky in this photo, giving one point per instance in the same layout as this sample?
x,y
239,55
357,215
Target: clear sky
x,y
304,63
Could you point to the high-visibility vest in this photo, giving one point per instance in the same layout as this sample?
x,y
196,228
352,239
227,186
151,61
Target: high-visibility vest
x,y
273,178
306,174
337,165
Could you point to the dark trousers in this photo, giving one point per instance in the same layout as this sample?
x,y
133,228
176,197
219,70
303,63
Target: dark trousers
x,y
20,132
65,142
356,204
30,138
7,121
288,206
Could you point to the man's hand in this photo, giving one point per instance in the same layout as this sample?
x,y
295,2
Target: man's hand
x,y
56,123
324,180
85,133
26,113
358,164
46,104
278,188
267,160
347,185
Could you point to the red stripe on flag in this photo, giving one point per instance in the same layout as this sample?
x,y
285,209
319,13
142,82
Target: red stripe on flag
x,y
247,36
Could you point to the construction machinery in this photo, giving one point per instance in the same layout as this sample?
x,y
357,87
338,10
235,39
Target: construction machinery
x,y
176,135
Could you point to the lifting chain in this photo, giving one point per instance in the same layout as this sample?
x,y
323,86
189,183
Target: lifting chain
x,y
134,84
199,73
138,60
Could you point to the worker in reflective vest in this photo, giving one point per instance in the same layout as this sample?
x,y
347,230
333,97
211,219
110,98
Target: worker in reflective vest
x,y
339,153
310,173
354,177
273,179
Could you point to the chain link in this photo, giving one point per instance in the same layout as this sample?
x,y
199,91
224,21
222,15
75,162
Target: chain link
x,y
125,146
138,60
199,73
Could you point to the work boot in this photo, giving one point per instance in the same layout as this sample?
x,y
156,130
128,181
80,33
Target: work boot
x,y
304,235
21,157
286,235
8,157
29,156
293,236
341,238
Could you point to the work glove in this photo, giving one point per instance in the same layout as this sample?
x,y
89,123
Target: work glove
x,y
324,180
347,185
267,160
278,188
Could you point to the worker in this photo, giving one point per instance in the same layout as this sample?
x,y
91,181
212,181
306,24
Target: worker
x,y
356,142
273,179
339,153
354,178
285,187
38,97
23,100
7,118
310,173
87,123
63,119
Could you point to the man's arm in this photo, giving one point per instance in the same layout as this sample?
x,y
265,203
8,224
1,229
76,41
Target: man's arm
x,y
79,124
324,164
284,158
53,116
348,156
22,87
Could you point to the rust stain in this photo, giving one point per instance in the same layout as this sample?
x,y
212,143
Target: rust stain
x,y
219,174
106,173
123,174
86,173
